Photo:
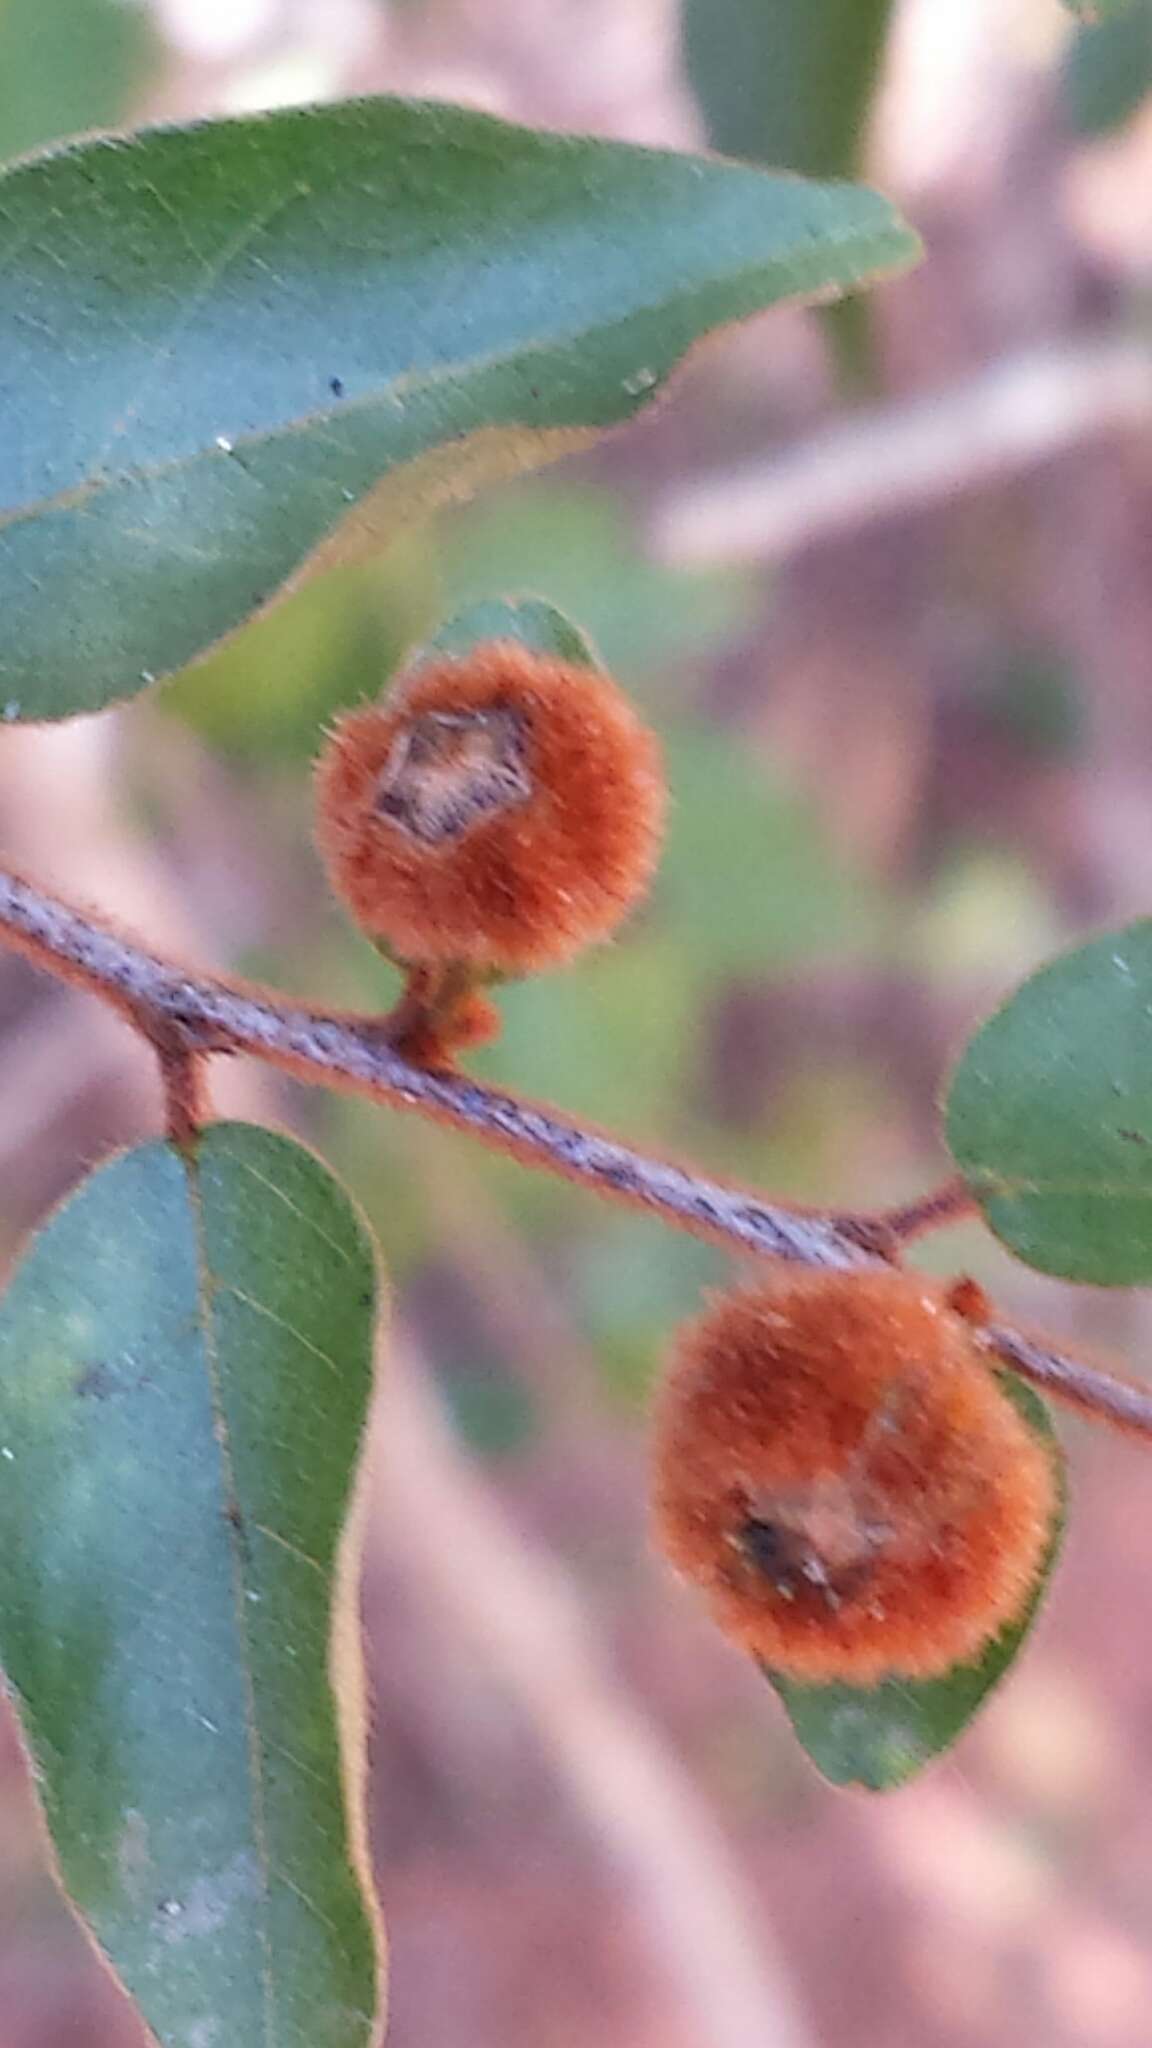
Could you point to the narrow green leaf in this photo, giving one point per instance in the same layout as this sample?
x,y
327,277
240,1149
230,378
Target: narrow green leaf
x,y
1049,1114
790,83
217,341
787,82
185,1363
879,1737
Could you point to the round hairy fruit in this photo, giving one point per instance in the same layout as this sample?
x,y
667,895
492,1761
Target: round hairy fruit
x,y
500,811
844,1477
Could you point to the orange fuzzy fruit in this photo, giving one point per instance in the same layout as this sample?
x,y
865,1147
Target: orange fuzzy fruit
x,y
500,810
845,1478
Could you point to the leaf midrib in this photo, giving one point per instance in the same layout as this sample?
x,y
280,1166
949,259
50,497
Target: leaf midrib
x,y
417,384
205,1306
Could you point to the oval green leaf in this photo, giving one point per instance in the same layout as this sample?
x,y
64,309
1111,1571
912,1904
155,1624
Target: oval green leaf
x,y
879,1737
1049,1114
185,1365
218,340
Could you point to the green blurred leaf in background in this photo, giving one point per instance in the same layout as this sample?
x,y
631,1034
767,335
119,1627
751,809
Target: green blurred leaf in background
x,y
748,876
1107,71
791,83
67,65
185,1366
787,82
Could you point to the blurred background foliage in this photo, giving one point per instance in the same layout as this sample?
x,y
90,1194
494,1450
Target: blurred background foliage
x,y
787,83
910,748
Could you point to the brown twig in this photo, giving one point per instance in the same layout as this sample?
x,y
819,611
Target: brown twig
x,y
1095,1392
1016,413
355,1055
187,1104
945,1204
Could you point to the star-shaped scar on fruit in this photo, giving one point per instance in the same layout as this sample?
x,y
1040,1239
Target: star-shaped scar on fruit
x,y
446,769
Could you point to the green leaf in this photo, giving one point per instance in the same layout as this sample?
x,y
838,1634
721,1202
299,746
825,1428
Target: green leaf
x,y
217,341
265,693
791,83
879,1737
787,82
185,1363
1049,1114
1107,70
530,621
68,64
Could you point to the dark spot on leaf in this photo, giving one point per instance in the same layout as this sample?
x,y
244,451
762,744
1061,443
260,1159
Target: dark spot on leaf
x,y
96,1383
336,386
1132,1137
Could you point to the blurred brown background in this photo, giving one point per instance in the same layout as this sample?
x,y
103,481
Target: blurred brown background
x,y
884,585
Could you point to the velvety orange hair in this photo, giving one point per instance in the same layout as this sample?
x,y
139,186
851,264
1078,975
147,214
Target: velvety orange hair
x,y
499,810
846,1480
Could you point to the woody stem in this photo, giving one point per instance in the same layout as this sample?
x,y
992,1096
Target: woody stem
x,y
168,1002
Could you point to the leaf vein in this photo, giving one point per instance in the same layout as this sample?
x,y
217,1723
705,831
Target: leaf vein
x,y
293,1549
298,1892
394,393
261,1308
214,270
294,1209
